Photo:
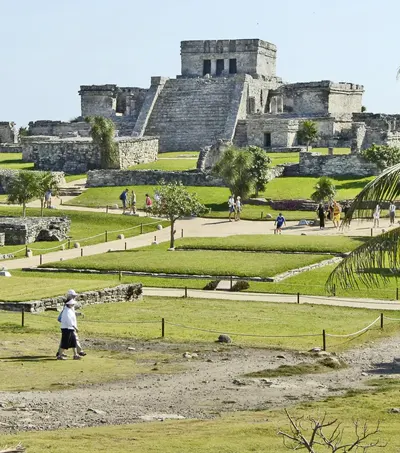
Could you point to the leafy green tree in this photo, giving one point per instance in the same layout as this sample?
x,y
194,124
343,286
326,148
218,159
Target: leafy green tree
x,y
324,190
259,168
103,133
374,262
382,155
22,189
174,202
307,133
235,168
46,181
23,132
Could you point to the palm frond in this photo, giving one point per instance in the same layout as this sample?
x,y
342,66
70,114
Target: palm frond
x,y
385,187
369,265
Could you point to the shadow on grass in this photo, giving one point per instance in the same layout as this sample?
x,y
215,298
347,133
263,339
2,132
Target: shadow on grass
x,y
28,358
386,368
352,185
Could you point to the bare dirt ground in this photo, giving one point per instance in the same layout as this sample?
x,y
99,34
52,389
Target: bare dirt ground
x,y
212,382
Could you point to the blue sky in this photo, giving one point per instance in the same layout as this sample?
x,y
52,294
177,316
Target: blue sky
x,y
49,48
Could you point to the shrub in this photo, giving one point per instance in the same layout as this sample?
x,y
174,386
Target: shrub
x,y
240,285
382,155
211,286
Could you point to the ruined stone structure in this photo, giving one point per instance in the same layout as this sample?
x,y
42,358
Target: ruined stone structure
x,y
6,176
8,132
375,128
21,231
78,155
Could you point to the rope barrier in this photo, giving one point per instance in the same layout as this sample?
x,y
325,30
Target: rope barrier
x,y
51,248
355,333
391,319
102,322
241,334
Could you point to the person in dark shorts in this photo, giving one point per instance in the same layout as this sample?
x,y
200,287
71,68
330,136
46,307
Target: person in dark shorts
x,y
68,328
279,222
321,216
124,198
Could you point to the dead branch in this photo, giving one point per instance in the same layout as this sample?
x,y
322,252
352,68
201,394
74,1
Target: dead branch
x,y
315,434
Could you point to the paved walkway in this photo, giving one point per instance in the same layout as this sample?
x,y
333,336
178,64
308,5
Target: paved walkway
x,y
276,298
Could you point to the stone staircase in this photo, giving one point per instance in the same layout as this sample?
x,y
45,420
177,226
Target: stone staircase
x,y
124,125
240,138
192,113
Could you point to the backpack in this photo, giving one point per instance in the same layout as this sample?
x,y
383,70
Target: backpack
x,y
60,315
121,197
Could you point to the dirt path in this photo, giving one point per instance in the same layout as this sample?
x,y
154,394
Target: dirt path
x,y
212,382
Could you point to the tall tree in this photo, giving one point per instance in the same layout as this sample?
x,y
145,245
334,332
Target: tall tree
x,y
174,202
22,189
307,133
374,262
235,168
324,190
103,132
46,181
259,168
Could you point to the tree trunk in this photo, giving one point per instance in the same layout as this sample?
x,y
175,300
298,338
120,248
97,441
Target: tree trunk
x,y
24,209
172,237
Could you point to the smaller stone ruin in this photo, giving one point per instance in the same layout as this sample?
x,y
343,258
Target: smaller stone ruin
x,y
22,231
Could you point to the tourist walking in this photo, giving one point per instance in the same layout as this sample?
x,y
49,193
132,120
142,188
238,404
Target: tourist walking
x,y
238,208
69,329
392,213
279,222
124,198
231,207
47,199
148,204
321,216
337,209
132,202
71,296
376,216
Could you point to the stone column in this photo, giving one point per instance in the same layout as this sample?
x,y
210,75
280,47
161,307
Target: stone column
x,y
226,66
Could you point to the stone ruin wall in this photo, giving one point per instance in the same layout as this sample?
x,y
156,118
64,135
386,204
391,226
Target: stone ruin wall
x,y
6,176
314,164
375,128
123,293
59,129
22,231
75,156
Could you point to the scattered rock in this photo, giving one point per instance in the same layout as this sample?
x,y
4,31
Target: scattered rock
x,y
268,216
130,348
315,349
280,357
187,355
239,382
96,411
224,339
394,410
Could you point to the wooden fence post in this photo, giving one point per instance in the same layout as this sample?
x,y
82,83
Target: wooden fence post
x,y
381,320
23,316
162,327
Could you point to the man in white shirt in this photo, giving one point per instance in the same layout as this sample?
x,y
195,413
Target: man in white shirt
x,y
392,212
231,206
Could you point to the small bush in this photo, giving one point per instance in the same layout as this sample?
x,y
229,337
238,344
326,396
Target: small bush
x,y
240,285
211,286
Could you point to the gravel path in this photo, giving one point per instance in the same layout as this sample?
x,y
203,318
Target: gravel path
x,y
212,382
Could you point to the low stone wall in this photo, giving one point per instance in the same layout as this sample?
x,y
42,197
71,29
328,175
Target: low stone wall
x,y
78,155
121,293
6,176
101,178
313,164
11,148
21,231
2,239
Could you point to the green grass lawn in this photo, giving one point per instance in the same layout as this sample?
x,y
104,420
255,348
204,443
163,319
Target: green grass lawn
x,y
179,154
168,165
84,225
158,259
13,161
239,432
286,158
216,198
70,178
315,244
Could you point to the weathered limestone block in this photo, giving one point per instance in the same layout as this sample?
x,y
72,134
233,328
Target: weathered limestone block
x,y
21,231
2,239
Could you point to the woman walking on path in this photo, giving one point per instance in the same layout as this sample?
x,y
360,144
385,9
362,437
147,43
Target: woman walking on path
x,y
392,212
68,328
238,208
148,204
376,216
336,214
321,216
132,202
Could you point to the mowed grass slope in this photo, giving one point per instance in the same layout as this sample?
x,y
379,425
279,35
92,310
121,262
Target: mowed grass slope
x,y
216,198
158,259
13,161
286,158
264,243
85,225
239,432
168,165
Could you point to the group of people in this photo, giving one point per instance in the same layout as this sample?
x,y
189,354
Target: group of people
x,y
69,329
128,199
235,207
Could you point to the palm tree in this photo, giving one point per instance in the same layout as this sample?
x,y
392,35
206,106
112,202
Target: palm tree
x,y
324,190
374,262
23,189
307,133
103,132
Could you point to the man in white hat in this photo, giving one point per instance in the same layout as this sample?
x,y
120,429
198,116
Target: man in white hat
x,y
69,328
